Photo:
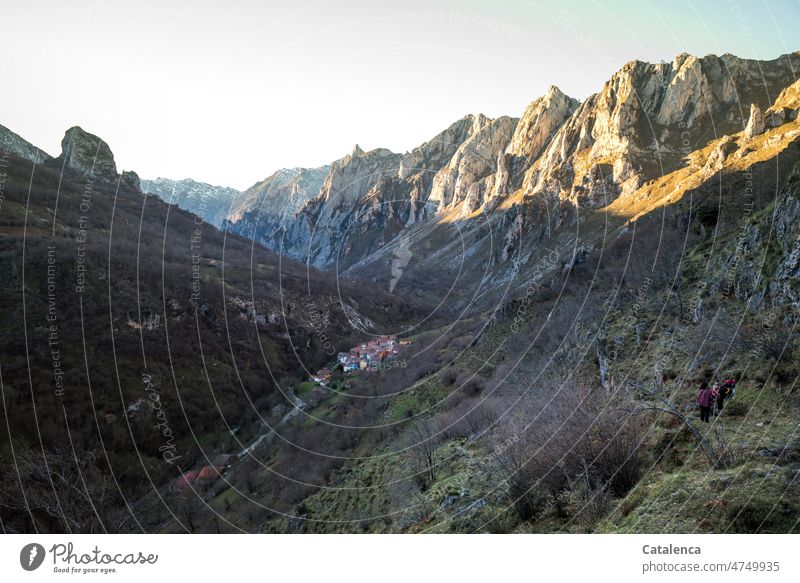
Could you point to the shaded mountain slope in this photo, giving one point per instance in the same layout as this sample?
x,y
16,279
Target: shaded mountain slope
x,y
134,334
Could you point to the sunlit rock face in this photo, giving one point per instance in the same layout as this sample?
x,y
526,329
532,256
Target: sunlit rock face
x,y
560,156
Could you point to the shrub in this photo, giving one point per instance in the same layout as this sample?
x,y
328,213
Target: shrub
x,y
735,408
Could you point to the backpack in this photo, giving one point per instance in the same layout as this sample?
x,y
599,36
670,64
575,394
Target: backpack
x,y
728,388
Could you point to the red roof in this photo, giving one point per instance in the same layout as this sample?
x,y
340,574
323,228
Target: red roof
x,y
186,479
209,473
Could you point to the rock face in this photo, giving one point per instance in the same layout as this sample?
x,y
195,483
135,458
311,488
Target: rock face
x,y
211,203
270,205
359,189
87,156
540,121
559,156
434,154
13,143
783,289
463,179
646,118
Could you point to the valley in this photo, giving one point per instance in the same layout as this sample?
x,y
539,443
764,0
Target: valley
x,y
556,286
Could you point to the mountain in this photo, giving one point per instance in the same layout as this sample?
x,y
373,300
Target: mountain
x,y
270,205
211,203
561,154
135,335
563,399
647,118
367,198
645,123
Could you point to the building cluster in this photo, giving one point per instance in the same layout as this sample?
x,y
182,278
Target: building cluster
x,y
322,376
369,355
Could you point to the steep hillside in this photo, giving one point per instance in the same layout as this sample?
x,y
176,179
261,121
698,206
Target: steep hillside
x,y
571,408
138,339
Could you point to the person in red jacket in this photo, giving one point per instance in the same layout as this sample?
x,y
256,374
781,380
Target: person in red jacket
x,y
703,399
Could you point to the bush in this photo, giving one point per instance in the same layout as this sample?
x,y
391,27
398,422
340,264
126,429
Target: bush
x,y
578,447
736,408
448,377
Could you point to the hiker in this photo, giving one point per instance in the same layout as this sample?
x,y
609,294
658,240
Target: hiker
x,y
727,391
703,399
714,404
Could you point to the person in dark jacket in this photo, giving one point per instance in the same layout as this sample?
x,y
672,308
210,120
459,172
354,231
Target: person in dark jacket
x,y
726,392
703,399
720,398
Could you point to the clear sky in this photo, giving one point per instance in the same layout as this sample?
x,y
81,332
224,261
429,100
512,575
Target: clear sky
x,y
229,91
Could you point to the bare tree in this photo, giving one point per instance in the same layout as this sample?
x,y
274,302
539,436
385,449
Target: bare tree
x,y
63,491
425,442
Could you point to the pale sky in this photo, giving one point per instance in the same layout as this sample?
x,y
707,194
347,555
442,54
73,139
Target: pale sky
x,y
227,92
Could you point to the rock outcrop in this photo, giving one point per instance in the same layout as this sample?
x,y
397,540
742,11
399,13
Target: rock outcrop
x,y
785,107
462,180
756,123
131,180
88,156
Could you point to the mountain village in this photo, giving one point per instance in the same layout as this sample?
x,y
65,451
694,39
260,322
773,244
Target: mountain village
x,y
377,353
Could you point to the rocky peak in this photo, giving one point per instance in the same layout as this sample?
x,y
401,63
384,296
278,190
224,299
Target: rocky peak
x,y
357,151
540,120
431,156
87,155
